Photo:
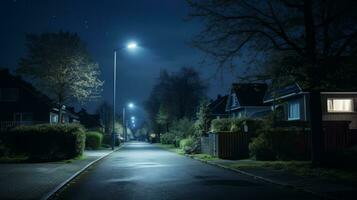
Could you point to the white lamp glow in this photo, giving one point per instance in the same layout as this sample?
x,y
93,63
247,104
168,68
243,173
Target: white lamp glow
x,y
132,45
131,105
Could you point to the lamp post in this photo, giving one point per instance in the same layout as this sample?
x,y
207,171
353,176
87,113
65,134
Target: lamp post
x,y
130,106
130,46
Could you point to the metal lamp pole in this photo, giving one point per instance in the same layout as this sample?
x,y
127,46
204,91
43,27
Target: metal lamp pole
x,y
131,45
124,125
114,96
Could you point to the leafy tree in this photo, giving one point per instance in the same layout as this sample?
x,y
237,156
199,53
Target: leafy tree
x,y
60,65
163,118
203,119
175,96
183,128
307,33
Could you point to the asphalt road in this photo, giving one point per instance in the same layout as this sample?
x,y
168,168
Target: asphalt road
x,y
143,171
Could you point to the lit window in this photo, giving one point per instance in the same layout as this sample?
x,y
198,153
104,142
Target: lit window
x,y
339,105
294,111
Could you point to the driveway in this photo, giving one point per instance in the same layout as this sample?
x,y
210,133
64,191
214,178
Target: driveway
x,y
144,171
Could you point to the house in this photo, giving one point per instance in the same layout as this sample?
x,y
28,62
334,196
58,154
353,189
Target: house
x,y
292,101
246,100
22,104
217,107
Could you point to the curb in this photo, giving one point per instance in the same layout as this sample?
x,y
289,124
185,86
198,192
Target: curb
x,y
264,179
64,183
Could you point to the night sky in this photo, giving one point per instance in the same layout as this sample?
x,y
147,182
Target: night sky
x,y
159,26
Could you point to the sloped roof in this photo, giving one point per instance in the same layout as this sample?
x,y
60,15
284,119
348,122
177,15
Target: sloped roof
x,y
283,91
5,74
218,106
250,94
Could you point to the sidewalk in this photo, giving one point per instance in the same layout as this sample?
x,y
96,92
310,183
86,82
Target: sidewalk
x,y
321,187
36,180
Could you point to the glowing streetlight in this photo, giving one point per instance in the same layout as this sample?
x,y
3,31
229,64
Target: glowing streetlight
x,y
131,105
132,45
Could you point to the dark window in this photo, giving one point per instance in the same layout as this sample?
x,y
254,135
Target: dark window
x,y
9,94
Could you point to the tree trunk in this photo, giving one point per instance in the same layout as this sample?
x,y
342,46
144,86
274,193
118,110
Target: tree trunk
x,y
59,115
316,128
314,81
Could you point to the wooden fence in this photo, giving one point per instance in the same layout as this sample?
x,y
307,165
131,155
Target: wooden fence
x,y
337,135
227,145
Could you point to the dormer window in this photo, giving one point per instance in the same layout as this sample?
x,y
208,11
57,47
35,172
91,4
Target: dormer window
x,y
234,100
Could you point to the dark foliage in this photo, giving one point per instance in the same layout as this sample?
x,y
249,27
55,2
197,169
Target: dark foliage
x,y
281,144
93,140
177,94
46,142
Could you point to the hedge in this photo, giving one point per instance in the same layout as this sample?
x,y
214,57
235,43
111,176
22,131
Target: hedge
x,y
218,125
187,143
236,125
281,144
46,142
168,138
93,140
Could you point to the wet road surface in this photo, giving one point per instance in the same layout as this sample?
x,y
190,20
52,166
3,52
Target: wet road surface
x,y
144,171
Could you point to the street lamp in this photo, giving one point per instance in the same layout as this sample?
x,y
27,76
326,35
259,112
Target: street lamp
x,y
130,46
130,106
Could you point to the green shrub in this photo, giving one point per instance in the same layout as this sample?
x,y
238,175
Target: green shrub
x,y
261,149
93,140
182,128
46,142
168,138
187,143
281,144
218,125
254,125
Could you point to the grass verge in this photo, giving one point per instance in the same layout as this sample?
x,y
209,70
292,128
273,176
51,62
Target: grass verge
x,y
170,147
204,157
13,159
300,168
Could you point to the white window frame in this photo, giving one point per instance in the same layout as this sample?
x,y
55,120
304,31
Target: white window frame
x,y
339,111
234,100
298,117
55,117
